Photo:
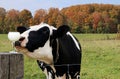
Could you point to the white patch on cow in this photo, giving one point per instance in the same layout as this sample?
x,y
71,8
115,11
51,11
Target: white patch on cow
x,y
76,43
42,53
78,76
46,73
24,42
49,75
36,27
51,29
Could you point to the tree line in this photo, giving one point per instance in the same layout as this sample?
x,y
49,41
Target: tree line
x,y
87,18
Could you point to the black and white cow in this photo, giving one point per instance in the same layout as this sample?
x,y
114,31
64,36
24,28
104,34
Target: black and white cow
x,y
57,51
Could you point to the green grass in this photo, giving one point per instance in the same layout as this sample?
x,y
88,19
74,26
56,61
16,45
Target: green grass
x,y
5,44
100,57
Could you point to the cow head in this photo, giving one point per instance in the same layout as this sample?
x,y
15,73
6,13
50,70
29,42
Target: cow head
x,y
35,40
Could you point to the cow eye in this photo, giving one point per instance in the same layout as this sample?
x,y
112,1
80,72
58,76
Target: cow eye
x,y
22,38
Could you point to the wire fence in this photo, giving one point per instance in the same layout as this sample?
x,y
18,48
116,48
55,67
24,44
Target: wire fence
x,y
65,65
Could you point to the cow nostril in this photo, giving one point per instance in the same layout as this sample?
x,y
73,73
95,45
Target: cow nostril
x,y
22,38
17,43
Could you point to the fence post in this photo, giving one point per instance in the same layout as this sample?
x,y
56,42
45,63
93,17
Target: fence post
x,y
11,66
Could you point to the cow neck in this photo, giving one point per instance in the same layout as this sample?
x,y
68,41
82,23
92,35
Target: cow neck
x,y
57,51
54,43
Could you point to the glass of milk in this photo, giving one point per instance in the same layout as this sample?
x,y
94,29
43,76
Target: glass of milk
x,y
13,36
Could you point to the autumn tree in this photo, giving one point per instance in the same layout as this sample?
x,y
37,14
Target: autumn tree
x,y
25,17
52,16
85,18
60,20
39,16
12,19
97,18
2,17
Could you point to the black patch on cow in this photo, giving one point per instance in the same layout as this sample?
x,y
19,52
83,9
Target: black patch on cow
x,y
53,44
61,31
37,38
22,29
68,54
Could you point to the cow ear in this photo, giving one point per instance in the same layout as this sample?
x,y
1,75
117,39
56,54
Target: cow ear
x,y
61,31
21,29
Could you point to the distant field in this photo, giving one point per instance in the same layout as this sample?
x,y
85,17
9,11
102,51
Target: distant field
x,y
100,57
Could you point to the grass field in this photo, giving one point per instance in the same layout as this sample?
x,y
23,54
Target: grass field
x,y
100,57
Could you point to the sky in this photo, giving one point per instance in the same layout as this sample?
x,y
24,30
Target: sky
x,y
34,5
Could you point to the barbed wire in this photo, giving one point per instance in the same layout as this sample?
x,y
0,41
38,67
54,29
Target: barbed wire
x,y
67,65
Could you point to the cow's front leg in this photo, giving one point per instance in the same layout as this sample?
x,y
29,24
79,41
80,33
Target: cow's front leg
x,y
47,70
77,76
42,67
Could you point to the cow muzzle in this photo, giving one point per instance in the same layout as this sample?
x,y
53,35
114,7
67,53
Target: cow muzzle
x,y
17,43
